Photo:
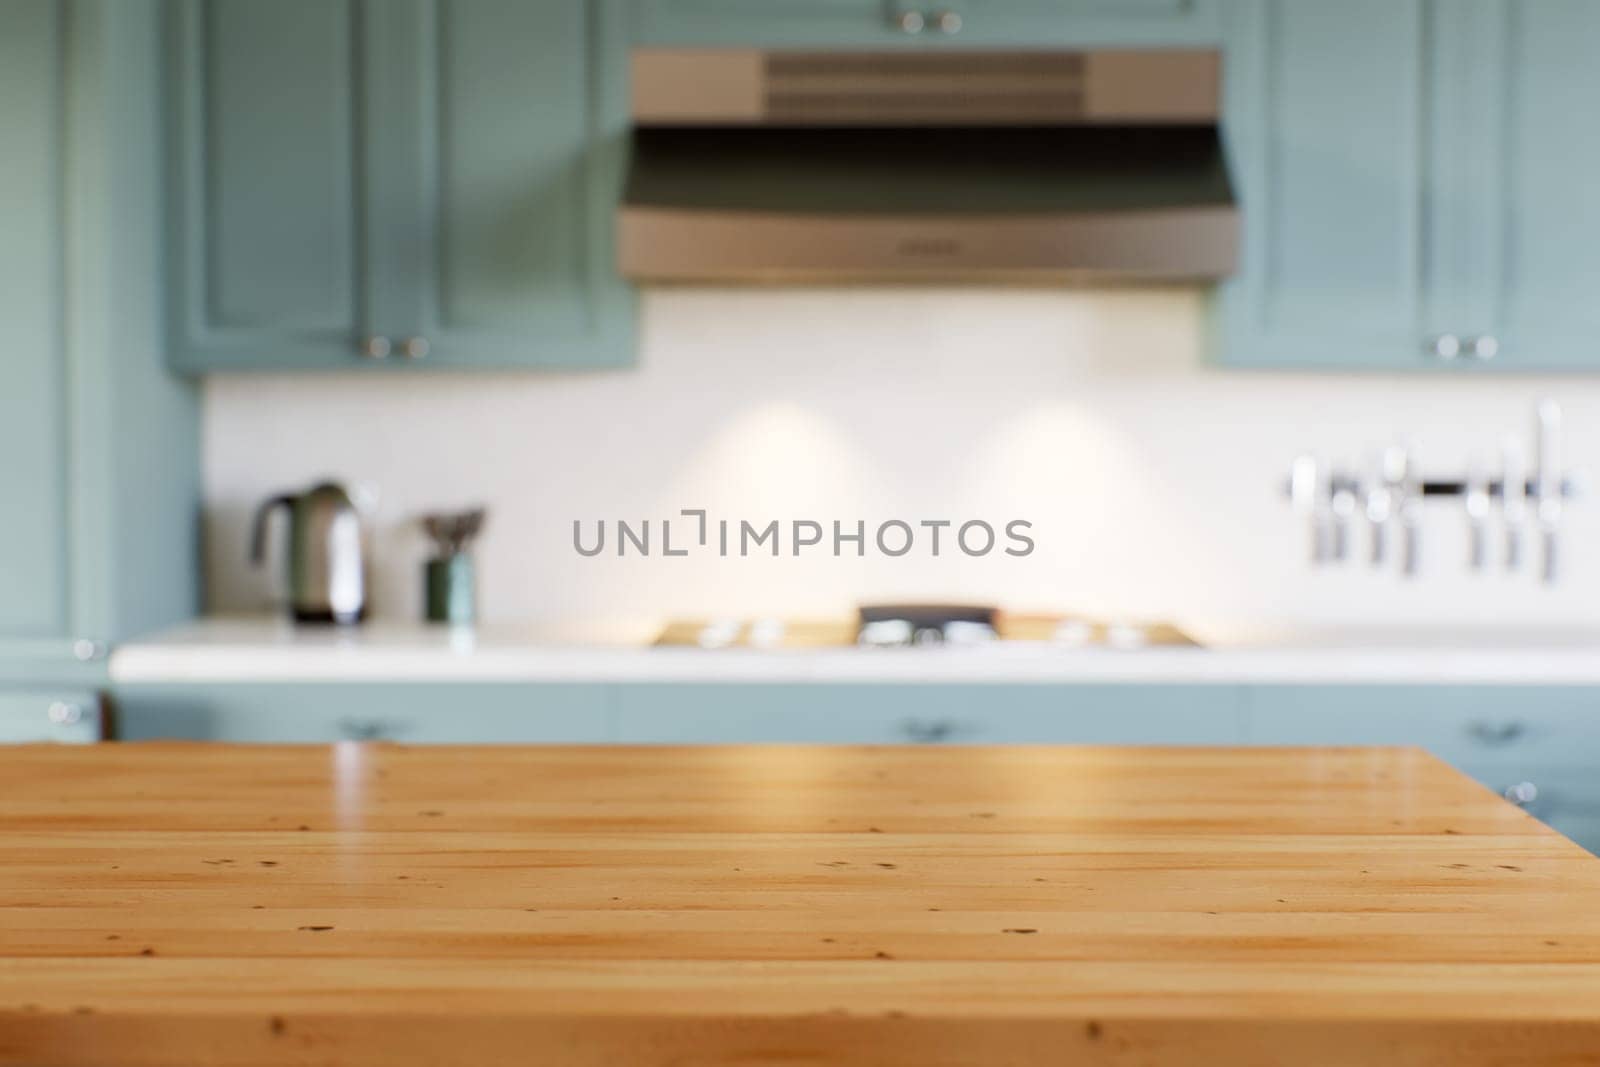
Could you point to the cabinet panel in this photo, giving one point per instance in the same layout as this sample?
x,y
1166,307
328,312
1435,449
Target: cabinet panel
x,y
778,22
1541,150
438,172
920,714
1464,725
1092,22
1324,108
1500,735
317,714
265,184
878,23
1566,798
511,169
515,133
1129,9
33,472
97,446
31,716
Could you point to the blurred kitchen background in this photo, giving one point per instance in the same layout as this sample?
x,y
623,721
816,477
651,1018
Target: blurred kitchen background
x,y
1153,477
452,255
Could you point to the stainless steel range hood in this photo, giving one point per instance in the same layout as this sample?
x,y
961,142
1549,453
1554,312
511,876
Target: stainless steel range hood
x,y
1000,166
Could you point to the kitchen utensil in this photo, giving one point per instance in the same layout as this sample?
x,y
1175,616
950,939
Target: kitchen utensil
x,y
450,578
326,573
453,532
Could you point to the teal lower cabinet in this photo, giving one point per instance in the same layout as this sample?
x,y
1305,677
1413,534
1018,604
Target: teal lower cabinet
x,y
429,713
693,713
886,713
44,713
1537,745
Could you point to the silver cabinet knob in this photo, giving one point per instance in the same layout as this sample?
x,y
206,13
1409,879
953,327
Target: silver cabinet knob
x,y
63,714
376,347
1445,346
1521,794
911,22
1485,346
948,21
86,650
415,347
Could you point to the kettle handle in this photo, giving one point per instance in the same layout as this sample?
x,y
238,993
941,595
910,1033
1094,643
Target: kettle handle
x,y
258,536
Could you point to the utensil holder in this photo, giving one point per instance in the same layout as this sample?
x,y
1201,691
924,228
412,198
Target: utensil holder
x,y
451,589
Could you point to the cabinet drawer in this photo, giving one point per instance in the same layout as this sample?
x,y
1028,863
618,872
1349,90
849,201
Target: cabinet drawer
x,y
469,713
1464,725
31,715
1565,797
921,714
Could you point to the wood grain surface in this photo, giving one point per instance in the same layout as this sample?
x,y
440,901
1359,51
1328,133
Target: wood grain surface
x,y
171,904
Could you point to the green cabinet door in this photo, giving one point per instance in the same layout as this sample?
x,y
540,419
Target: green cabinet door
x,y
432,713
38,715
889,713
496,156
414,183
33,389
773,23
925,23
1112,23
1540,744
266,264
1530,152
1324,109
99,479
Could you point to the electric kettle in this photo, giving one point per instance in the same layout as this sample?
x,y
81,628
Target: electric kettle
x,y
327,576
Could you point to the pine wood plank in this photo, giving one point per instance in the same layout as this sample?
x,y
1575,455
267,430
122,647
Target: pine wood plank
x,y
379,904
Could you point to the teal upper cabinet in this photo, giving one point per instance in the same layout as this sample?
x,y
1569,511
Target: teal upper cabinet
x,y
100,475
513,183
925,23
408,183
777,22
267,262
1415,188
1532,267
1324,108
1038,23
33,479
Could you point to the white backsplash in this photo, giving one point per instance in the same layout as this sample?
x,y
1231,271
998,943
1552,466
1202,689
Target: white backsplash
x,y
1151,479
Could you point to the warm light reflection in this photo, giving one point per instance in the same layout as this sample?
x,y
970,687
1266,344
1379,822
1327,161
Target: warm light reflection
x,y
1024,781
349,784
781,458
782,781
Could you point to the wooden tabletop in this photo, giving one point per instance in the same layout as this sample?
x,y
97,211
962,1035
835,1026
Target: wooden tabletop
x,y
375,904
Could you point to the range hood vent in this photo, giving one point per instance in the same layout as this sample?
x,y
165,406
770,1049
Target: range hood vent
x,y
908,87
803,166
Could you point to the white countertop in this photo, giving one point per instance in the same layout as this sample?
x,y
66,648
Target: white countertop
x,y
264,650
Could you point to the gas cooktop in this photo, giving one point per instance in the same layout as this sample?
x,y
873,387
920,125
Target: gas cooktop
x,y
920,625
